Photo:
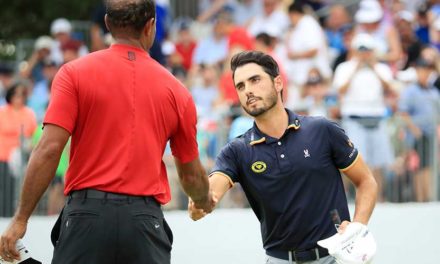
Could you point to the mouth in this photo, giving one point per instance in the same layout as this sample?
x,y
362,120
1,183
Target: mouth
x,y
252,100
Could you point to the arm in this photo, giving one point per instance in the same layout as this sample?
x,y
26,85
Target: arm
x,y
41,170
219,184
366,190
395,52
195,183
302,55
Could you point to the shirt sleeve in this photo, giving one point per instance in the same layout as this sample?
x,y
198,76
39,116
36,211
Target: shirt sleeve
x,y
340,77
226,163
183,142
344,153
63,105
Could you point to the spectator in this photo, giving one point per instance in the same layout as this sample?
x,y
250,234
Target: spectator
x,y
39,96
420,107
185,46
213,49
98,30
362,83
6,77
273,16
435,34
422,27
70,50
61,30
306,49
411,46
34,69
206,94
348,32
316,96
338,17
266,44
369,18
17,122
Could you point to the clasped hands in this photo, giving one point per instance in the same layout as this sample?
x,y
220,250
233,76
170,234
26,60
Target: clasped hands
x,y
199,209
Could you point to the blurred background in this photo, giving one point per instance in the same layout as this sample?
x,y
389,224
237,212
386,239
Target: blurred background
x,y
372,66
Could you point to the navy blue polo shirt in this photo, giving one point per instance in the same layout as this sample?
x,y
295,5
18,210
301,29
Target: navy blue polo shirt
x,y
292,183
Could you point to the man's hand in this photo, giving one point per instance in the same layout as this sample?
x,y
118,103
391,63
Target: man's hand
x,y
198,210
15,231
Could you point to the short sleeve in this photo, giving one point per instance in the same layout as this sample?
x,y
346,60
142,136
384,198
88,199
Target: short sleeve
x,y
183,142
341,76
63,105
405,102
226,163
344,153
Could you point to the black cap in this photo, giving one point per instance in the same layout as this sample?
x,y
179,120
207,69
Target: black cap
x,y
423,63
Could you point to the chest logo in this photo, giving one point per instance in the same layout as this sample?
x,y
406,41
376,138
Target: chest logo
x,y
306,153
258,166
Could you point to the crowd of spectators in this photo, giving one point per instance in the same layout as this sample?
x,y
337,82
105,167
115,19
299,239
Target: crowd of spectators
x,y
373,67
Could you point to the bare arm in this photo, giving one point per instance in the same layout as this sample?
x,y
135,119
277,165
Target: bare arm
x,y
302,55
195,183
41,170
366,190
219,185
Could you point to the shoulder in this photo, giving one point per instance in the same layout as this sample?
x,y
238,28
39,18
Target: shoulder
x,y
314,122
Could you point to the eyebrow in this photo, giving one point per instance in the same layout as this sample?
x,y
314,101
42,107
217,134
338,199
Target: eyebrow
x,y
252,77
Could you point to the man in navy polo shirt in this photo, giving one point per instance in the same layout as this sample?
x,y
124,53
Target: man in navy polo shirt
x,y
289,167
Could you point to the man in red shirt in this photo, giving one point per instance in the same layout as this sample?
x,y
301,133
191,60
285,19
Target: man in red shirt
x,y
120,107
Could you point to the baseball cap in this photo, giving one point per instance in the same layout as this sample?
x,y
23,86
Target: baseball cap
x,y
363,42
43,42
406,15
60,25
355,246
369,11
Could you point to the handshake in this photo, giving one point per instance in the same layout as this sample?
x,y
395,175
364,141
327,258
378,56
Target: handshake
x,y
197,209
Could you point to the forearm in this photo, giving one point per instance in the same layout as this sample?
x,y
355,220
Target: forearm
x,y
196,187
366,194
303,55
193,179
40,172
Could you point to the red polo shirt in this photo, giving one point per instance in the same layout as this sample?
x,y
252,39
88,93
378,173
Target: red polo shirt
x,y
121,107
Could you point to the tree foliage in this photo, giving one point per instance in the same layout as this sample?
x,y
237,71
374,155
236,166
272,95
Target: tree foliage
x,y
32,18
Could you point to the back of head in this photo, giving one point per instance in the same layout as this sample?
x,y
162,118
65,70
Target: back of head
x,y
129,16
297,6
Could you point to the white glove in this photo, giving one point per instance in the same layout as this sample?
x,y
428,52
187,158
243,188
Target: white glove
x,y
355,246
24,254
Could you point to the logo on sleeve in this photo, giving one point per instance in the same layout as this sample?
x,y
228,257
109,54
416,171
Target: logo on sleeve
x,y
350,143
259,167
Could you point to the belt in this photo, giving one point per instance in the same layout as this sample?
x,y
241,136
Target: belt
x,y
96,194
299,255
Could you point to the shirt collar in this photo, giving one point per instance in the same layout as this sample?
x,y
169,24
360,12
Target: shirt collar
x,y
257,137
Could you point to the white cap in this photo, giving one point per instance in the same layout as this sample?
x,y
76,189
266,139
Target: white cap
x,y
363,41
355,246
43,42
406,15
60,25
369,11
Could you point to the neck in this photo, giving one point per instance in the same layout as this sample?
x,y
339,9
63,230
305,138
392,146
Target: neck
x,y
273,122
132,42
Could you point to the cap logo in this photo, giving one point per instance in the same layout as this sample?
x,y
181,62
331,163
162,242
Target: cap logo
x,y
259,167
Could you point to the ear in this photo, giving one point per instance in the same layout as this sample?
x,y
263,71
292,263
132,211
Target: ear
x,y
106,22
278,82
150,27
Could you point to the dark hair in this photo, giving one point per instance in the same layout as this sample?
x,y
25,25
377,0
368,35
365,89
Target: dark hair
x,y
12,90
265,38
268,64
297,6
131,16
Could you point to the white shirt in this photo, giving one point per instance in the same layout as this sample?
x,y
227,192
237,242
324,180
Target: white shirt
x,y
365,94
277,19
307,35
